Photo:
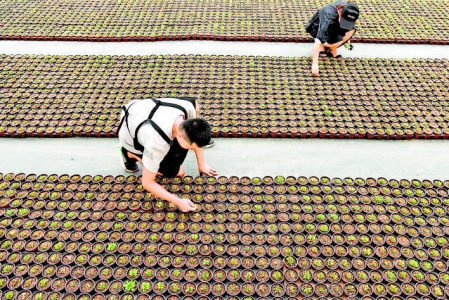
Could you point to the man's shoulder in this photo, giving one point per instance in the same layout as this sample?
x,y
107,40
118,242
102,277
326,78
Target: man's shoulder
x,y
334,4
329,14
331,8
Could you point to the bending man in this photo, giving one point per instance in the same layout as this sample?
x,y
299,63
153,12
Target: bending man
x,y
158,133
331,26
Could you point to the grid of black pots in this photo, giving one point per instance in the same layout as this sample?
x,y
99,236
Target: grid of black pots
x,y
318,237
274,21
241,96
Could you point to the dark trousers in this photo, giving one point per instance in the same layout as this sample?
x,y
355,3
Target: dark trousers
x,y
172,161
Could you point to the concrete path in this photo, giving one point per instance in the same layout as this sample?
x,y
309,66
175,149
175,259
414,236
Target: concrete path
x,y
419,159
214,47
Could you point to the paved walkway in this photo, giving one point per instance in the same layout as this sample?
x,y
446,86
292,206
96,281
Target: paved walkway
x,y
251,157
223,48
421,159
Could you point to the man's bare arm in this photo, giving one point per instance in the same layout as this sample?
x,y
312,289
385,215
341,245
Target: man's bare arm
x,y
150,184
317,47
203,167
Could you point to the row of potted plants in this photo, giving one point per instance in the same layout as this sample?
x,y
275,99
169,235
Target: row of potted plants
x,y
264,98
132,288
225,255
410,23
420,216
227,282
360,242
92,180
116,191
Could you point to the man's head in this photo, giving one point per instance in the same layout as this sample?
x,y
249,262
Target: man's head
x,y
194,132
349,14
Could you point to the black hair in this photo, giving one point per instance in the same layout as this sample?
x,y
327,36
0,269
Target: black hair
x,y
197,131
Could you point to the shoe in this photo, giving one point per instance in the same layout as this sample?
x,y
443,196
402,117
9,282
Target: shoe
x,y
128,164
210,144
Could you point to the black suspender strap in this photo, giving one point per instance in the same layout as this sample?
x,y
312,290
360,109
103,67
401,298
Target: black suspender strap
x,y
158,103
138,146
156,127
159,130
124,119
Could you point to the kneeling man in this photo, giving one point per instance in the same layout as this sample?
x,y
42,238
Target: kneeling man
x,y
158,133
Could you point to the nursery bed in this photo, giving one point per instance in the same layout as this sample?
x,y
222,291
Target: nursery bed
x,y
381,21
241,96
96,237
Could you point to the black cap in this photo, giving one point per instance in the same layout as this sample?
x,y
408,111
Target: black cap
x,y
349,14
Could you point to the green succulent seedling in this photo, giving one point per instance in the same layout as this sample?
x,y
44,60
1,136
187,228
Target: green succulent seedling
x,y
205,276
58,246
191,249
9,295
176,273
149,273
6,269
206,262
145,286
133,273
394,289
189,289
317,262
130,286
175,287
280,179
111,246
43,282
324,228
413,263
307,275
160,286
277,275
391,275
102,286
307,290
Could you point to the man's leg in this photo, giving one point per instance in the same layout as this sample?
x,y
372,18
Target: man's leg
x,y
134,156
333,47
127,161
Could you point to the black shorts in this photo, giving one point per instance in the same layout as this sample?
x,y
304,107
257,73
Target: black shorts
x,y
172,161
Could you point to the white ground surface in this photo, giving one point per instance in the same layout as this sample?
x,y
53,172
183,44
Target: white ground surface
x,y
214,47
251,157
421,159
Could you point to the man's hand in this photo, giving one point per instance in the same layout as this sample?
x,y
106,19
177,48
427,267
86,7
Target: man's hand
x,y
315,69
150,184
349,46
205,169
185,205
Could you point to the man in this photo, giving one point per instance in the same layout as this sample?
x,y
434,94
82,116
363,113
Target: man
x,y
158,133
331,27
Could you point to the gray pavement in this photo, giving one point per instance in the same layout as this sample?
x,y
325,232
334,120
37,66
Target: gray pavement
x,y
421,159
218,48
